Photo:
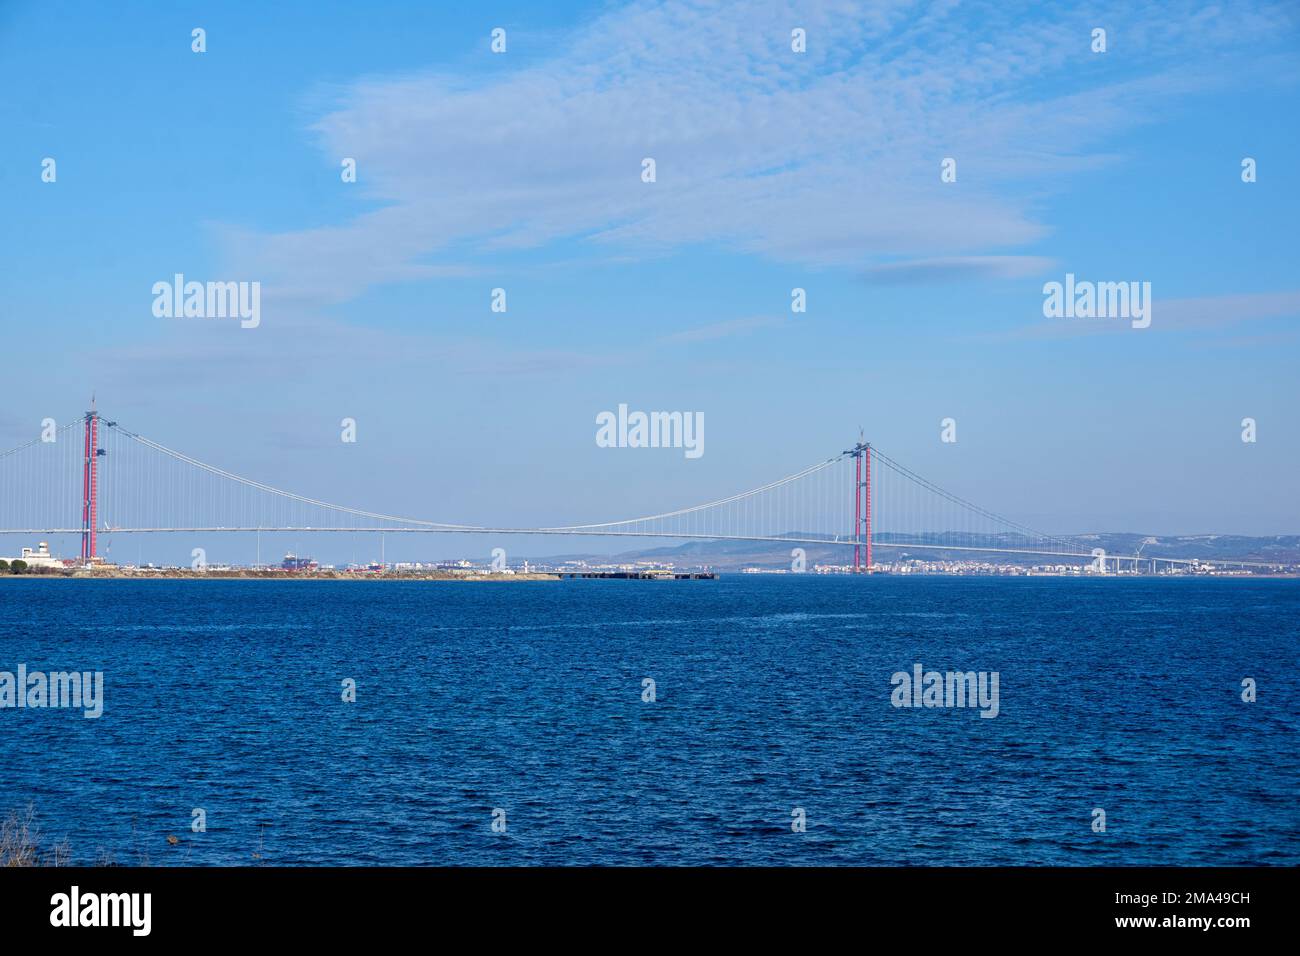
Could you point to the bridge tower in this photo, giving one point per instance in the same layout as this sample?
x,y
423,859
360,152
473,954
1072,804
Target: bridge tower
x,y
861,505
866,500
90,487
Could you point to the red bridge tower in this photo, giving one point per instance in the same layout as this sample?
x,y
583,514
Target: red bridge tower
x,y
90,487
861,505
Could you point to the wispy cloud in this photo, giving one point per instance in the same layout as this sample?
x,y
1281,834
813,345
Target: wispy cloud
x,y
722,330
957,269
315,350
1194,314
828,158
1206,312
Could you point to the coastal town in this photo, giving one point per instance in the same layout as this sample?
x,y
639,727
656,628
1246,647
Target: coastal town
x,y
40,561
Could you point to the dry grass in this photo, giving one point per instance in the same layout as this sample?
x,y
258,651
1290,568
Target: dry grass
x,y
20,842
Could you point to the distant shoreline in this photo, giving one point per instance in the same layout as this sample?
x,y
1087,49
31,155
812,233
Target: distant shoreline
x,y
247,575
275,576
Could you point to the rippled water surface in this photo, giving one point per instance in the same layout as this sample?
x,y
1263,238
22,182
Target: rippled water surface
x,y
773,693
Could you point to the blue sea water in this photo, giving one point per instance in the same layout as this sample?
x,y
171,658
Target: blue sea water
x,y
772,693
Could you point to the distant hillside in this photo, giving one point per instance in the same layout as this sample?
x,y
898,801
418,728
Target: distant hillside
x,y
726,555
1282,548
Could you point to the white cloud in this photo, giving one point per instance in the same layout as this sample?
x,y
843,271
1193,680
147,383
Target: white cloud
x,y
957,268
1197,314
830,158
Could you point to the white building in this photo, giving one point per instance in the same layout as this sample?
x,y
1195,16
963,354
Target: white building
x,y
39,557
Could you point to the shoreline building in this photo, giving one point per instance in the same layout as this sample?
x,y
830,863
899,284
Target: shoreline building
x,y
39,557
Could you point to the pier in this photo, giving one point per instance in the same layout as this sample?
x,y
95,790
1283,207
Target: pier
x,y
643,575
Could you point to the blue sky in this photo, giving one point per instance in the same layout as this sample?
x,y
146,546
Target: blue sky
x,y
775,170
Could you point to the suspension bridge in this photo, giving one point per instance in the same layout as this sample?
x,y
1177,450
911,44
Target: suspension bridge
x,y
94,476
